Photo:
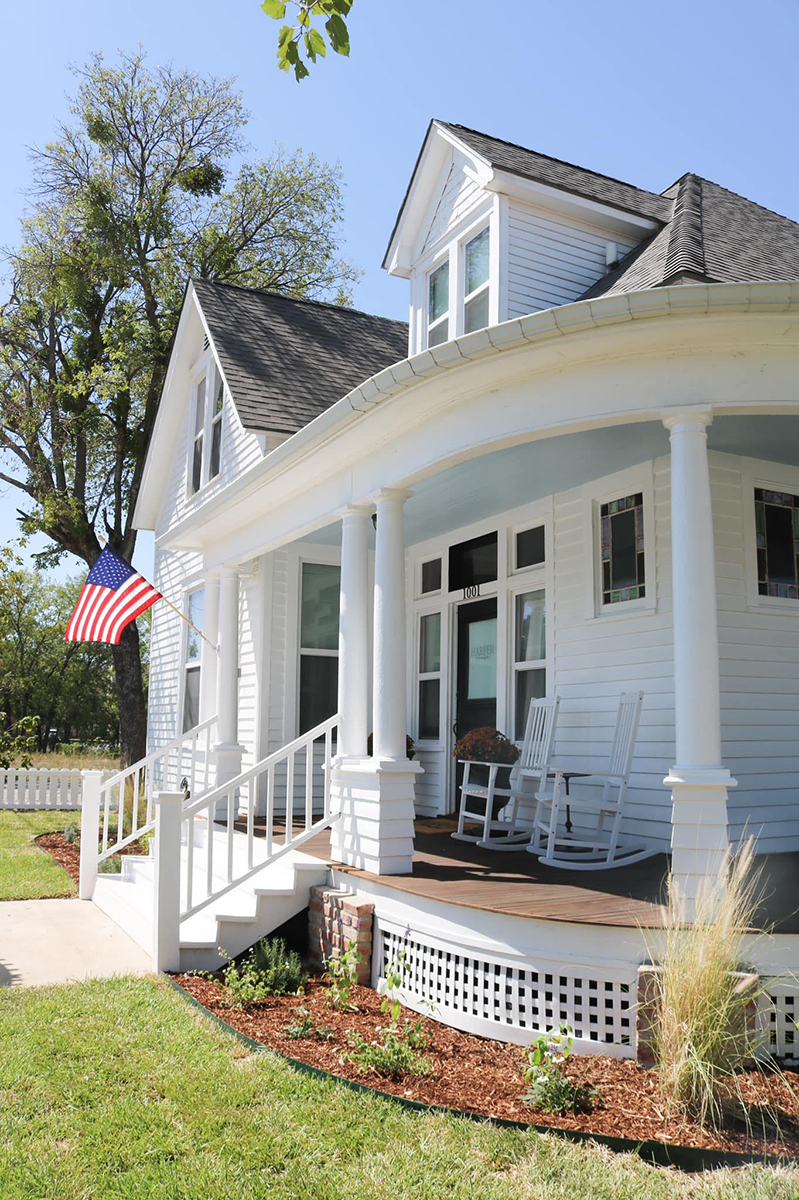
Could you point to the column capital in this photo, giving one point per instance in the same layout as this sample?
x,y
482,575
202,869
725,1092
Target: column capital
x,y
686,420
361,510
228,571
392,495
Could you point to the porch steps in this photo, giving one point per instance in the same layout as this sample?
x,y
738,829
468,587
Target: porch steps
x,y
233,921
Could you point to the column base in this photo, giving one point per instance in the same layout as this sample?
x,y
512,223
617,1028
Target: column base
x,y
228,766
700,837
376,800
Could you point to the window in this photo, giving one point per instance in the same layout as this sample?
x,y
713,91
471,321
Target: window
x,y
191,681
431,576
530,547
622,544
475,287
777,537
438,305
530,651
207,438
429,674
473,562
319,610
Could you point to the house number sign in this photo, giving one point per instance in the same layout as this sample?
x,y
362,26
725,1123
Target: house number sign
x,y
472,592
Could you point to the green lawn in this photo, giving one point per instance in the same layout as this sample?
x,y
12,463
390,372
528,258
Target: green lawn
x,y
119,1089
26,872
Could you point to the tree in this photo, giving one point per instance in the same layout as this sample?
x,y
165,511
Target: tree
x,y
137,193
299,44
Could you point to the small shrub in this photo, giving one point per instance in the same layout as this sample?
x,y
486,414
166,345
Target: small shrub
x,y
110,866
304,1026
71,834
550,1090
269,969
395,1054
342,974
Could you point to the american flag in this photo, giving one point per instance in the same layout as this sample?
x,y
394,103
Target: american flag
x,y
113,596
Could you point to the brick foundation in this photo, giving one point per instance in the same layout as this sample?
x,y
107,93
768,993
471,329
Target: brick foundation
x,y
336,921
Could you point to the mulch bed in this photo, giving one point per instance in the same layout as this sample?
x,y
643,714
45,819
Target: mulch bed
x,y
481,1076
67,854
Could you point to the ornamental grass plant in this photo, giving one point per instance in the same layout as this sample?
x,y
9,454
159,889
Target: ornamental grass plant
x,y
705,1023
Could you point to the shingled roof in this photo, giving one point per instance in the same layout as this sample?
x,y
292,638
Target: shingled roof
x,y
713,236
286,361
516,160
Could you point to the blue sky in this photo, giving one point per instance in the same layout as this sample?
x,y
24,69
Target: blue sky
x,y
634,90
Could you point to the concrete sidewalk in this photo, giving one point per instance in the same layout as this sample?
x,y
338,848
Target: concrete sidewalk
x,y
59,941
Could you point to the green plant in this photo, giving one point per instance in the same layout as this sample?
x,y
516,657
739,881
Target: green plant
x,y
71,834
269,969
702,1024
395,1053
486,745
304,1026
550,1090
342,974
110,866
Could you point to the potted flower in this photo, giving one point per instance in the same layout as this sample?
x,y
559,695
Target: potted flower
x,y
483,747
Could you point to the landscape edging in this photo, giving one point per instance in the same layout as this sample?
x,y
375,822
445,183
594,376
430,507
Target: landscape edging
x,y
662,1154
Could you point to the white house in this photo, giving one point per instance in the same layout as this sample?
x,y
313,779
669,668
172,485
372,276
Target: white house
x,y
574,473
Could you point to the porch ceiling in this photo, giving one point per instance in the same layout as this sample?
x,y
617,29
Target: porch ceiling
x,y
505,479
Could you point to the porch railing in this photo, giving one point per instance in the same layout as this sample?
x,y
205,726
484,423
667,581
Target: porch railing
x,y
127,809
290,786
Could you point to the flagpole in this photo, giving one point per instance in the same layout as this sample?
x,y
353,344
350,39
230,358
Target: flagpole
x,y
104,542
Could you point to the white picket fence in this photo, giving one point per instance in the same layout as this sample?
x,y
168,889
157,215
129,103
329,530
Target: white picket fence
x,y
40,788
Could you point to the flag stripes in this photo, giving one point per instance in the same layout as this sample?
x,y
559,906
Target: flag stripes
x,y
113,596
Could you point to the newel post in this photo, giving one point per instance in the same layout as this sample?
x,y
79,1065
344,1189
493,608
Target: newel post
x,y
91,783
166,910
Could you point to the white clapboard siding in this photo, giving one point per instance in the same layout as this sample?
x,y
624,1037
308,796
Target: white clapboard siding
x,y
552,259
430,787
460,193
40,788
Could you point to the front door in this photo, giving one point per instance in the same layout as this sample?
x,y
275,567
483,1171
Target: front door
x,y
476,679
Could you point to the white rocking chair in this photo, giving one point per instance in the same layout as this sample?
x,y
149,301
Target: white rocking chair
x,y
501,831
598,848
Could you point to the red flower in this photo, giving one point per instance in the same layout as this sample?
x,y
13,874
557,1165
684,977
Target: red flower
x,y
486,744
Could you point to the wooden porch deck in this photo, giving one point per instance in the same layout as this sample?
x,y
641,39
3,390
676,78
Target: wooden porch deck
x,y
516,883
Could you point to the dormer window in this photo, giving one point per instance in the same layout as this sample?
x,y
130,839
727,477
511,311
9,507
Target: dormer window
x,y
438,305
209,403
476,276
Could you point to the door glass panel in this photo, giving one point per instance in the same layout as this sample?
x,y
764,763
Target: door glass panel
x,y
318,689
482,683
473,562
430,647
531,639
320,606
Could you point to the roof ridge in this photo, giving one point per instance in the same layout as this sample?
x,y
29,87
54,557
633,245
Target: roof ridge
x,y
686,250
339,308
551,158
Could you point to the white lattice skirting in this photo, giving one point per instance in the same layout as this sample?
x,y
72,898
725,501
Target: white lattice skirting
x,y
496,997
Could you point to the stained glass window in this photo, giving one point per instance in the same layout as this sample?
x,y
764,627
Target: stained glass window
x,y
777,530
622,533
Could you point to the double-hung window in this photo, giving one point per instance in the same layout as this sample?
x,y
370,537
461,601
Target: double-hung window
x,y
193,662
209,404
529,655
429,674
319,616
438,305
475,284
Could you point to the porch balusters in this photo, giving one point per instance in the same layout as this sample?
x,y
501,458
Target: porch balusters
x,y
698,781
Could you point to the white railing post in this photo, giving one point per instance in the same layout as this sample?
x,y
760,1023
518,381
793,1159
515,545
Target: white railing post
x,y
89,831
166,914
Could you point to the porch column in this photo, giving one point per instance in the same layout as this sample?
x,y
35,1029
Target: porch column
x,y
374,797
210,658
228,750
698,781
353,636
389,626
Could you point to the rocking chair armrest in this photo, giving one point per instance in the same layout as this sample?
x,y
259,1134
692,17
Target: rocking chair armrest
x,y
473,762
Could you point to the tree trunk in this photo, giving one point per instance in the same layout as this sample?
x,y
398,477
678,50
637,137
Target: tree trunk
x,y
130,696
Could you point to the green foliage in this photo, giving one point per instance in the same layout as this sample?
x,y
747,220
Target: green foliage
x,y
71,834
394,1053
342,974
304,1026
305,38
545,1075
17,743
269,969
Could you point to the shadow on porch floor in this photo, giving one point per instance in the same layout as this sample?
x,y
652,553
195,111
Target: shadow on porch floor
x,y
516,883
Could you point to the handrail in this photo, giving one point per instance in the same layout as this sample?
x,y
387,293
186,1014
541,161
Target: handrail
x,y
167,749
230,859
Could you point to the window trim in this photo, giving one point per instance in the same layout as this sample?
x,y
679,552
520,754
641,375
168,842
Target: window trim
x,y
624,483
421,676
514,666
774,477
542,522
209,371
466,297
437,263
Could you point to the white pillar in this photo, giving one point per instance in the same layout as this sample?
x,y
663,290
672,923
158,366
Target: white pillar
x,y
166,909
210,658
89,831
698,780
353,637
389,628
228,750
